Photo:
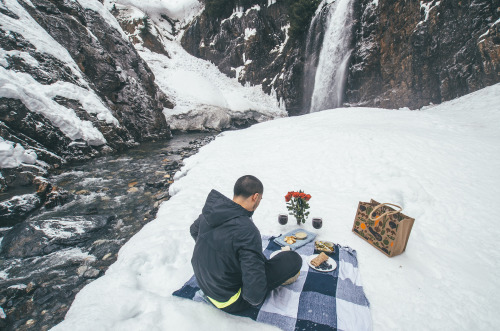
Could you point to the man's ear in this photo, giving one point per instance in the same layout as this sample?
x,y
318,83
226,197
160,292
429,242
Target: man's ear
x,y
255,197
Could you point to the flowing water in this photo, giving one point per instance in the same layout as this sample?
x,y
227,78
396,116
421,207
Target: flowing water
x,y
326,69
111,198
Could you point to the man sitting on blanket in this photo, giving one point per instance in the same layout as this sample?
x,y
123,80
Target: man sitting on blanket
x,y
227,260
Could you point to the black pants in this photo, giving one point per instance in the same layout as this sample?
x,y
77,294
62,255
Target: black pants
x,y
279,269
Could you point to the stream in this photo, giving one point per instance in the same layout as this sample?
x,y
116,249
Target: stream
x,y
48,258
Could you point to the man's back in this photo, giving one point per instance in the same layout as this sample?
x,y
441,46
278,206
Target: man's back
x,y
228,253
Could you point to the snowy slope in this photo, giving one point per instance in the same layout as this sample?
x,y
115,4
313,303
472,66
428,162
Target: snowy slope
x,y
39,97
204,98
181,10
441,164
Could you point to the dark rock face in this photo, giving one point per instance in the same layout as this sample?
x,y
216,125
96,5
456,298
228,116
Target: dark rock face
x,y
135,99
140,31
408,55
405,54
252,47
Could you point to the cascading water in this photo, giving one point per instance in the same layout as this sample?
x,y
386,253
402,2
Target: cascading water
x,y
325,75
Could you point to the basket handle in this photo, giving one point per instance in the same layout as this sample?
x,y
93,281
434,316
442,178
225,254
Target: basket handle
x,y
389,212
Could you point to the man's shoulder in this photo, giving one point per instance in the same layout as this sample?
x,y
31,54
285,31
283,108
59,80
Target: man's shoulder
x,y
244,227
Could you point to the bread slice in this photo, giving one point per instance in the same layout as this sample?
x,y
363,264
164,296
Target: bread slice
x,y
322,257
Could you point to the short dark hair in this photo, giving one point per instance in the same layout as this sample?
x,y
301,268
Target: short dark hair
x,y
248,185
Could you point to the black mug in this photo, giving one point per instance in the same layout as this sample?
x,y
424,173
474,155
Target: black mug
x,y
283,219
317,222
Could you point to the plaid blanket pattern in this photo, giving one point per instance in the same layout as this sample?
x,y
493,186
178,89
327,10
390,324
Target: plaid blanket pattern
x,y
316,301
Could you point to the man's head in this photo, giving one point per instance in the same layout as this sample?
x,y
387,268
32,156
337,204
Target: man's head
x,y
248,192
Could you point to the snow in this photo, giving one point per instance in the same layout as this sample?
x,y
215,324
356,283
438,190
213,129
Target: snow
x,y
440,164
182,10
18,286
64,229
249,33
205,98
12,154
254,7
488,31
38,98
428,6
36,35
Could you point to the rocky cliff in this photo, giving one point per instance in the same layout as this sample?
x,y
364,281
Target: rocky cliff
x,y
72,86
406,53
412,53
253,45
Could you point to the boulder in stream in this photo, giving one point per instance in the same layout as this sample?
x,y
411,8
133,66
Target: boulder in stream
x,y
41,237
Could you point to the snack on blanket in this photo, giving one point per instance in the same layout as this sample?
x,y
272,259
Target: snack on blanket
x,y
285,248
324,246
301,235
290,240
322,257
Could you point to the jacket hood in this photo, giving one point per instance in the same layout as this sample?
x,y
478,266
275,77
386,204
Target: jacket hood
x,y
219,209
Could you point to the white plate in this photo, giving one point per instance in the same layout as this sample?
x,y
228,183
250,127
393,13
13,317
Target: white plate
x,y
330,261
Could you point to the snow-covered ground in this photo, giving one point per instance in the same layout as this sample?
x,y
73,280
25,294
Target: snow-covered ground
x,y
441,164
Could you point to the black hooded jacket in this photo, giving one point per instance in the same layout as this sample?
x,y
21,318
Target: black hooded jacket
x,y
228,255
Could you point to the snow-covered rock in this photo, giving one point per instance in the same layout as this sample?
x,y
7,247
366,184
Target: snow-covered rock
x,y
71,84
36,238
12,155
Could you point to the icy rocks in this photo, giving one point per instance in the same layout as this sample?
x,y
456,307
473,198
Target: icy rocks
x,y
38,238
18,208
42,287
87,272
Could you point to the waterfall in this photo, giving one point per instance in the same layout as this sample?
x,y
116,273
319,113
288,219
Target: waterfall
x,y
325,74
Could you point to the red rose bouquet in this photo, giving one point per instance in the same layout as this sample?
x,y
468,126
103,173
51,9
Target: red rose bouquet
x,y
297,204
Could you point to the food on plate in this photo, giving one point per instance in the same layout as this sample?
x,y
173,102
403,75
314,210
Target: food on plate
x,y
325,266
290,240
285,248
301,235
322,257
324,246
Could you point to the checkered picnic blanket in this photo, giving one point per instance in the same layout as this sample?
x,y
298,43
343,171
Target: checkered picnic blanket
x,y
316,301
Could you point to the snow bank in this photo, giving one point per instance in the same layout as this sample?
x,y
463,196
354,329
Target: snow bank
x,y
204,97
12,155
38,98
441,164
